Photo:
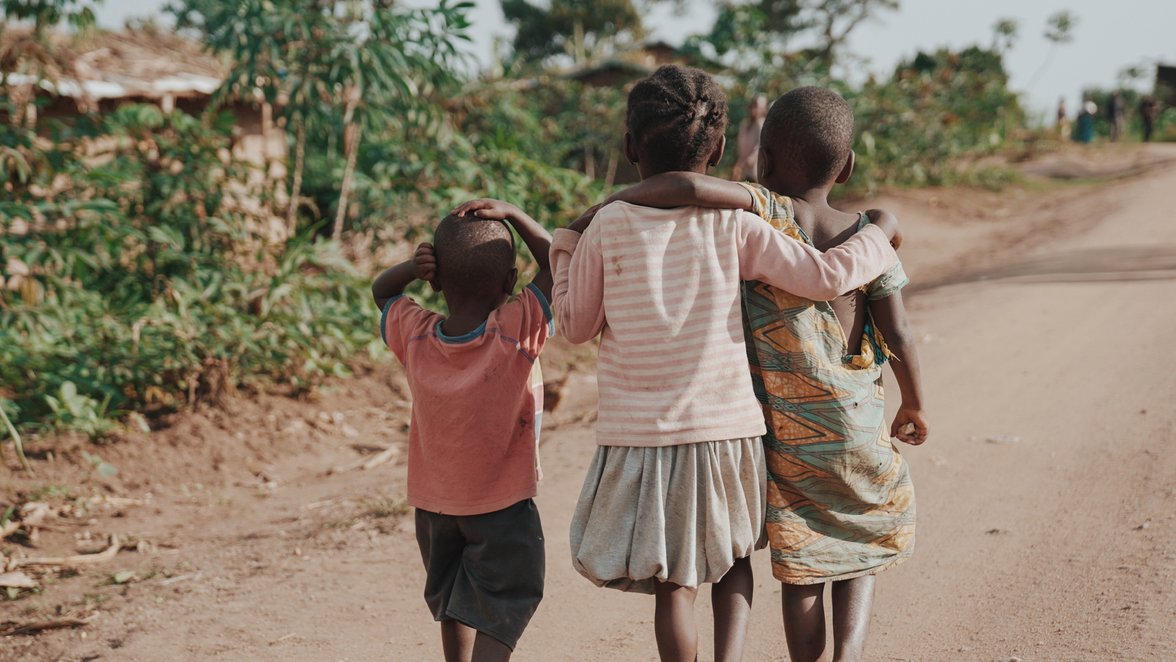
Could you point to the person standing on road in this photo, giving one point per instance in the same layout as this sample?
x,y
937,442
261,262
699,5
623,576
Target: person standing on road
x,y
1115,113
477,407
1063,120
1149,111
1084,132
747,142
675,495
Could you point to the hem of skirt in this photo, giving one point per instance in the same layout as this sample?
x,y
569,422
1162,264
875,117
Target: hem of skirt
x,y
658,439
646,585
808,581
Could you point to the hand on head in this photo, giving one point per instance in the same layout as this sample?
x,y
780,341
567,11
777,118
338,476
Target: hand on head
x,y
486,208
424,262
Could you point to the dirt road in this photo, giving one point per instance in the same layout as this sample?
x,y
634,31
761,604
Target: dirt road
x,y
1046,495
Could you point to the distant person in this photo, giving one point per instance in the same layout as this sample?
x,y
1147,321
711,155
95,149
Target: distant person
x,y
477,403
747,144
1149,112
1084,131
841,506
674,497
1116,115
1063,120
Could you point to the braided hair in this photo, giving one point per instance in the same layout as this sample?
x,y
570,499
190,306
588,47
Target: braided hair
x,y
676,117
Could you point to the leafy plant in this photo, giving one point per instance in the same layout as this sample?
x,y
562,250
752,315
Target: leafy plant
x,y
103,467
74,411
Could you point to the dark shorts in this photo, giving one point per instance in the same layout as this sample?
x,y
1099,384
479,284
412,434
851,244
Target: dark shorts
x,y
485,571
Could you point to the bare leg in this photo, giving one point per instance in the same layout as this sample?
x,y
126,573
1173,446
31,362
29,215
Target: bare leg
x,y
853,600
489,649
673,623
457,641
804,621
731,599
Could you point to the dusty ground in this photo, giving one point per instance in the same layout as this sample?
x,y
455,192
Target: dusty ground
x,y
1047,493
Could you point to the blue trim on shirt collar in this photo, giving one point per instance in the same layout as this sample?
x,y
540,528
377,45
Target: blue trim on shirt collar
x,y
465,337
546,307
384,317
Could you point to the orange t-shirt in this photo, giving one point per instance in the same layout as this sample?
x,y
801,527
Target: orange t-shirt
x,y
477,403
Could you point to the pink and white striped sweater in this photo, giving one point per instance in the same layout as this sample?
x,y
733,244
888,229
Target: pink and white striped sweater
x,y
662,287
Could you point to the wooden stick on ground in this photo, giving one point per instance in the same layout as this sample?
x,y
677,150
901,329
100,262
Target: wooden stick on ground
x,y
77,559
367,463
383,457
41,626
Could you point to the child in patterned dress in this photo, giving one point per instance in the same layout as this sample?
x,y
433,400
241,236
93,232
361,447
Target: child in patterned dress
x,y
840,501
674,496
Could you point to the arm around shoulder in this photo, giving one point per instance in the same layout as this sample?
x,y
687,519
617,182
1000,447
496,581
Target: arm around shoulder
x,y
794,266
680,189
888,224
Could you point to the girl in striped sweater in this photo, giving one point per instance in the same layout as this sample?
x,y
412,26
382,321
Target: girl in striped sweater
x,y
675,495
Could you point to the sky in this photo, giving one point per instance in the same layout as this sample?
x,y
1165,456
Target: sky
x,y
1110,35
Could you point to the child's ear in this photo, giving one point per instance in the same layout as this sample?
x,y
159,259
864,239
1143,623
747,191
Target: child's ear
x,y
847,169
511,279
765,165
717,155
630,149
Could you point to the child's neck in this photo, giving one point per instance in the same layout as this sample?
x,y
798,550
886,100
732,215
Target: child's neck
x,y
647,171
816,198
466,315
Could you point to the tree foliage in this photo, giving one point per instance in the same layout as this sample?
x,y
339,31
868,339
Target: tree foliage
x,y
1059,27
136,269
760,33
575,28
136,278
938,111
344,67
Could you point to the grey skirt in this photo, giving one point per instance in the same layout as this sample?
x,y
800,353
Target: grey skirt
x,y
681,514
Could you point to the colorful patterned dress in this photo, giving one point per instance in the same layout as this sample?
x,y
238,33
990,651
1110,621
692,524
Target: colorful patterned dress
x,y
840,499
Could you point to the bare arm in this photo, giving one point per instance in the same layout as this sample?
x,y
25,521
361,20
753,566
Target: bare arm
x,y
681,189
534,236
890,316
392,281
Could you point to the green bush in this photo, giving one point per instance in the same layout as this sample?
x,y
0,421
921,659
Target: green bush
x,y
938,111
134,280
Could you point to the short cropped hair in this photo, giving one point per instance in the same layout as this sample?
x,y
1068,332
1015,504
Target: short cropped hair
x,y
474,255
810,131
676,117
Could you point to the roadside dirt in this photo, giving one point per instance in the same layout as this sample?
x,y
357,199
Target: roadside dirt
x,y
1046,494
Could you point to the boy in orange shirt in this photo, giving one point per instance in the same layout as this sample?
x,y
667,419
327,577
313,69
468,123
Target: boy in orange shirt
x,y
477,406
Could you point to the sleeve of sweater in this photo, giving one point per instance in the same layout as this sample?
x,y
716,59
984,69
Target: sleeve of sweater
x,y
578,292
780,261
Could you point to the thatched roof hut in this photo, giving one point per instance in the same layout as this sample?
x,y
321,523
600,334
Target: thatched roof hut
x,y
100,69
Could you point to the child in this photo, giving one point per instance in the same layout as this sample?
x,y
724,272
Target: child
x,y
840,502
674,496
477,401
